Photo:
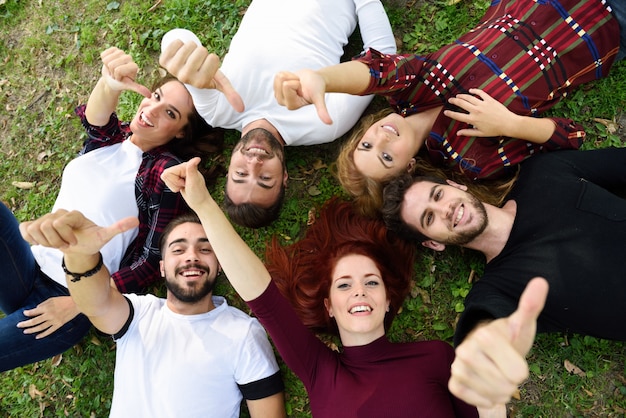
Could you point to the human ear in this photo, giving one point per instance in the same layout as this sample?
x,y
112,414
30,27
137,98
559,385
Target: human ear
x,y
457,185
410,167
328,307
161,268
434,245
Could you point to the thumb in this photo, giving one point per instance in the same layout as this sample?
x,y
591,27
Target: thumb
x,y
123,225
223,84
320,105
192,166
138,88
523,322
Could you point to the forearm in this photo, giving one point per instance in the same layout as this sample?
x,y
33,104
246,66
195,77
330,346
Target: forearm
x,y
102,102
536,130
245,271
91,294
350,77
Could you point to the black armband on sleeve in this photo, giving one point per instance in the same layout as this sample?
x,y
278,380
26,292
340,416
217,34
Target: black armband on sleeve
x,y
262,388
131,314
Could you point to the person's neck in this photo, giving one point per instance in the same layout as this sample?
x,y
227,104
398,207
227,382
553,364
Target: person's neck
x,y
184,308
493,239
422,123
263,123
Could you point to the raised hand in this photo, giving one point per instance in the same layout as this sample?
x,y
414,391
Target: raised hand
x,y
491,361
120,71
192,64
72,232
303,88
186,179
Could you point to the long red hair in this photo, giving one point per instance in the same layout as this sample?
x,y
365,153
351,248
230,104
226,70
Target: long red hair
x,y
303,271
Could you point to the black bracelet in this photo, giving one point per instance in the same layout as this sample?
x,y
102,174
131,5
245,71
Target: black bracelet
x,y
77,276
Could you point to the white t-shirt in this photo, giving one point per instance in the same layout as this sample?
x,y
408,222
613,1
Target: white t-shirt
x,y
101,185
172,365
277,35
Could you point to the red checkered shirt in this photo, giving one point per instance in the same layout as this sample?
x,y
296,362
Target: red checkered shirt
x,y
525,54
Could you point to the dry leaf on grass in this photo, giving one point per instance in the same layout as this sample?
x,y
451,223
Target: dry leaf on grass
x,y
574,369
310,220
611,125
25,185
56,360
33,391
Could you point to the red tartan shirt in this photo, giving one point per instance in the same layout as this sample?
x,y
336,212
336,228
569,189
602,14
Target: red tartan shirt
x,y
525,54
157,204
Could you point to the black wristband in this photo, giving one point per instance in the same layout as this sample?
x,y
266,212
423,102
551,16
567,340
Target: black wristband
x,y
77,276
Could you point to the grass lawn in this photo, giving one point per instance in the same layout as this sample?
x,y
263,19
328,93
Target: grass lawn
x,y
49,62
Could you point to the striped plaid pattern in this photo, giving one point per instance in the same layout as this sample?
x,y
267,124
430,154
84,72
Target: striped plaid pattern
x,y
157,204
526,54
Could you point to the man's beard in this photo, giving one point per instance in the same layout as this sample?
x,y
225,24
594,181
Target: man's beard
x,y
191,294
264,136
465,237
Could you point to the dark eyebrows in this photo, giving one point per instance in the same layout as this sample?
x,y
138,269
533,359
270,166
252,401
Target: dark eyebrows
x,y
184,241
430,197
170,105
261,185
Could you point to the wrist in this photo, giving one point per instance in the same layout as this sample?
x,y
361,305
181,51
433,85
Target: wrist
x,y
80,266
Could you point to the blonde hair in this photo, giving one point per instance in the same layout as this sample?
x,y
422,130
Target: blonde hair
x,y
367,193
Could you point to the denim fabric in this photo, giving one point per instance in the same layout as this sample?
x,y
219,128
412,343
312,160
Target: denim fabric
x,y
23,286
619,12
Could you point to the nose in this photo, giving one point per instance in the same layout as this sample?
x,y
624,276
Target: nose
x,y
192,256
359,290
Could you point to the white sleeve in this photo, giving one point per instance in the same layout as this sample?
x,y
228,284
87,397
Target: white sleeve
x,y
374,26
256,358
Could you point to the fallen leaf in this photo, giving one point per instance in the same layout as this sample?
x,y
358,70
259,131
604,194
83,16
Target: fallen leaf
x,y
43,155
574,369
23,184
314,191
56,360
611,125
33,391
95,341
319,164
310,217
588,392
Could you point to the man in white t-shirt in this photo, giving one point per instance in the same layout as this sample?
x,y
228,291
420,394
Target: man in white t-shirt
x,y
189,355
274,36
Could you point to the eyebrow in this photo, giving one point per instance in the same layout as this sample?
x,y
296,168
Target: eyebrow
x,y
169,104
380,158
184,241
430,197
262,185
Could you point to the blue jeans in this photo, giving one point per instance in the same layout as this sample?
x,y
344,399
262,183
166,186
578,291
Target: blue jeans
x,y
619,12
23,286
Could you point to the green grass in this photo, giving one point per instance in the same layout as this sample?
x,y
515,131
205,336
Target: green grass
x,y
49,62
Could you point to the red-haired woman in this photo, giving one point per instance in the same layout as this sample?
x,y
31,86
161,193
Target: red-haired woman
x,y
347,274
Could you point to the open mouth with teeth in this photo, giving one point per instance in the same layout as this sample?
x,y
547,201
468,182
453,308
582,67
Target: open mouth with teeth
x,y
390,129
459,215
145,121
360,309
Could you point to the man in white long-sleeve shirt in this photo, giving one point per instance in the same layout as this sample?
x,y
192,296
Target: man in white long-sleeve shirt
x,y
274,36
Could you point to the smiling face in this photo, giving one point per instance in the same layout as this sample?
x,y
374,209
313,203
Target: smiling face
x,y
444,212
162,117
256,172
189,264
387,148
357,300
